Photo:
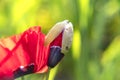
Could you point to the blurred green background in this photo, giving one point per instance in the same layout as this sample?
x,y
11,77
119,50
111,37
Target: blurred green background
x,y
95,52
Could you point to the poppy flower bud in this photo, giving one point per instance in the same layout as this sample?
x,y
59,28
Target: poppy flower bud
x,y
66,29
60,39
55,56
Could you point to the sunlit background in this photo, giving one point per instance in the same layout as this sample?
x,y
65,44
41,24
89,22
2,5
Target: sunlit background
x,y
95,52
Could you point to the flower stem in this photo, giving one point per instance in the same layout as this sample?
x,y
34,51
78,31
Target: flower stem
x,y
46,76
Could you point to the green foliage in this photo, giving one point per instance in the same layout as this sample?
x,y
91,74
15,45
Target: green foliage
x,y
95,53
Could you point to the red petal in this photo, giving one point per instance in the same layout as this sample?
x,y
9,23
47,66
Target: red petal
x,y
22,50
57,41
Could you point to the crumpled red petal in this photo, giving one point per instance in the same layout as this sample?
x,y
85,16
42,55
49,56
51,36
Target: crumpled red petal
x,y
22,50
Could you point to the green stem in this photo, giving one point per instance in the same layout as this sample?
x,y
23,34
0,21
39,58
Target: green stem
x,y
46,76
